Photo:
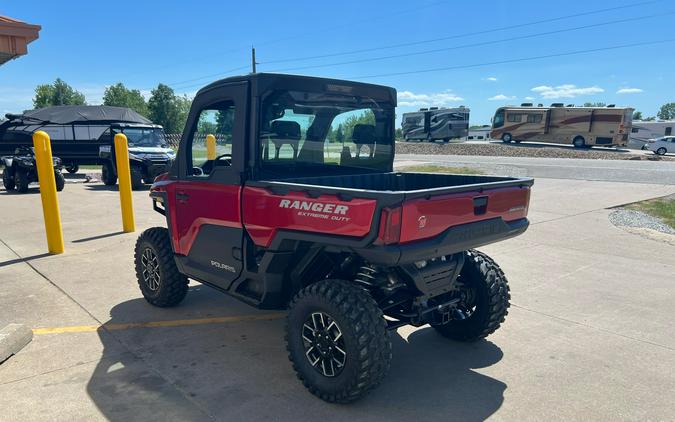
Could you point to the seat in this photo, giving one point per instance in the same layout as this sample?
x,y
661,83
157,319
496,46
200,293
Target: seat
x,y
364,135
285,132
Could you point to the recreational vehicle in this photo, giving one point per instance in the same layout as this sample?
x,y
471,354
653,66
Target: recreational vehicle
x,y
436,123
579,126
641,132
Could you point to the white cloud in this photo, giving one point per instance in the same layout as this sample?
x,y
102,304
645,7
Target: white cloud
x,y
529,98
501,97
410,99
565,91
491,79
629,91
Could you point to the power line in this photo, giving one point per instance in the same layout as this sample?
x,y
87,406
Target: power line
x,y
467,34
482,43
522,59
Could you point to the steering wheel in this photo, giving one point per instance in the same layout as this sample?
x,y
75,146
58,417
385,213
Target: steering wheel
x,y
228,156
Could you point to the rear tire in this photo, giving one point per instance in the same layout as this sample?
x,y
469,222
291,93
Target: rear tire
x,y
8,179
506,138
21,179
108,176
579,142
158,277
72,169
60,180
487,299
334,322
661,151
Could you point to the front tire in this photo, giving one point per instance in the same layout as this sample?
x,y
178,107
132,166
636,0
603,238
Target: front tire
x,y
21,179
136,178
158,277
8,179
485,302
108,176
661,151
337,340
73,168
60,181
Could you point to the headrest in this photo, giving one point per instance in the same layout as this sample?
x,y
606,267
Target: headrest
x,y
286,129
363,134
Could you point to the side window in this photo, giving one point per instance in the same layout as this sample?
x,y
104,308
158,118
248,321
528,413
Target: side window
x,y
217,120
669,131
534,118
515,118
634,130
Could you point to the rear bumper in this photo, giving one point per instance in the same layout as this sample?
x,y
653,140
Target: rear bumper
x,y
453,240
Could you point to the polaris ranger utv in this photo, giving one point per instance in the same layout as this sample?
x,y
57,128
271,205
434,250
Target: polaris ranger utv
x,y
283,218
20,170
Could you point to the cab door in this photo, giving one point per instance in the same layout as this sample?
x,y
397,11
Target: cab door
x,y
208,194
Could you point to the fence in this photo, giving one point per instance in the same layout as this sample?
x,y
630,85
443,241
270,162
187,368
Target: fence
x,y
173,139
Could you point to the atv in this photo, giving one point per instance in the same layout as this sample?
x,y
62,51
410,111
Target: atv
x,y
20,170
289,215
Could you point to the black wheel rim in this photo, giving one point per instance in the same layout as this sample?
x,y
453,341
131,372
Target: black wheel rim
x,y
150,265
324,344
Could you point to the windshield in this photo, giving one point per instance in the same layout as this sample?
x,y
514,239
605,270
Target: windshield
x,y
499,119
145,137
325,130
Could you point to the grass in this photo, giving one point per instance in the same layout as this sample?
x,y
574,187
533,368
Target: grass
x,y
430,168
663,208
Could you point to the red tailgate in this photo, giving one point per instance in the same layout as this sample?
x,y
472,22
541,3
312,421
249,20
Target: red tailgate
x,y
266,212
424,218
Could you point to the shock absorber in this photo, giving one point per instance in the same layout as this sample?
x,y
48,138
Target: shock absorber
x,y
367,275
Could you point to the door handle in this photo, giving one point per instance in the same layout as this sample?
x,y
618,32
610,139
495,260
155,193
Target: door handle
x,y
182,196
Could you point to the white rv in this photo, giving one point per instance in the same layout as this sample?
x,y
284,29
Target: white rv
x,y
643,131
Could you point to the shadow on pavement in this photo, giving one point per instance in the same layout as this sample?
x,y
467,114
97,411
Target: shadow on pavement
x,y
240,371
101,236
101,186
24,259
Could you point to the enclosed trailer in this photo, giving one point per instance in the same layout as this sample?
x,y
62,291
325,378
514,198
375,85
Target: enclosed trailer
x,y
579,126
436,123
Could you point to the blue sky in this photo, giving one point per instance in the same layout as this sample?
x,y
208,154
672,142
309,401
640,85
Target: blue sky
x,y
189,44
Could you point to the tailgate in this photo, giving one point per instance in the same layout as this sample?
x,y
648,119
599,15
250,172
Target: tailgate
x,y
426,217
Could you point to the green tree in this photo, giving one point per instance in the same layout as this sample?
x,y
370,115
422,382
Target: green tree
x,y
57,93
598,104
667,112
119,96
365,118
165,109
637,115
339,134
184,103
399,133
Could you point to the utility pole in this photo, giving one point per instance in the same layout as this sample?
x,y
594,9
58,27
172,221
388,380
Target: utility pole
x,y
253,62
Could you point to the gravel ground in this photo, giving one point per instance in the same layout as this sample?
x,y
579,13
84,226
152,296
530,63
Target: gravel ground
x,y
522,150
638,219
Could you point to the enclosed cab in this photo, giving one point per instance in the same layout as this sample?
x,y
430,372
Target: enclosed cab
x,y
436,124
297,207
580,126
83,135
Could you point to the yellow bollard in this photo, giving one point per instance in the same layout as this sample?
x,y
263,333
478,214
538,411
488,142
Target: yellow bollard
x,y
210,147
50,202
124,177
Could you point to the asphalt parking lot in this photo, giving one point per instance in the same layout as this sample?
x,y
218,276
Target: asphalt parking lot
x,y
589,335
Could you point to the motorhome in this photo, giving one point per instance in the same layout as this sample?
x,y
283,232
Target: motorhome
x,y
430,124
579,126
643,131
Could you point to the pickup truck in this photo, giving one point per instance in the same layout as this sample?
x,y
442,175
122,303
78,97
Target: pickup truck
x,y
297,207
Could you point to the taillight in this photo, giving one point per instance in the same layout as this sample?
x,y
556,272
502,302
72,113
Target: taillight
x,y
390,226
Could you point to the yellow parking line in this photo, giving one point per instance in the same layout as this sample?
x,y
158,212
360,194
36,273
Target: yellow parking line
x,y
154,324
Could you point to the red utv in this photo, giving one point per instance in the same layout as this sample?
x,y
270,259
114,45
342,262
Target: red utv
x,y
300,209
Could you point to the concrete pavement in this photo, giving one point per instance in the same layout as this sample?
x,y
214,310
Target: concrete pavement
x,y
589,334
639,171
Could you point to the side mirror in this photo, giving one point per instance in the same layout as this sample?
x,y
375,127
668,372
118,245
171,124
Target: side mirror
x,y
197,171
